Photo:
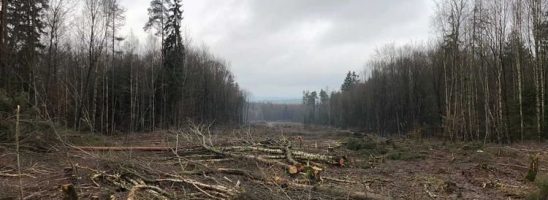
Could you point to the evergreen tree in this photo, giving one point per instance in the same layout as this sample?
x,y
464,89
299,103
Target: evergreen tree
x,y
24,27
350,80
166,17
157,15
323,110
174,58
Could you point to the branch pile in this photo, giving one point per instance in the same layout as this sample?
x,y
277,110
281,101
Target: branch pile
x,y
201,172
296,163
132,181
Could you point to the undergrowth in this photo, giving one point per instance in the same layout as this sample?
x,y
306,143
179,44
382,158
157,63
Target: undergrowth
x,y
365,147
542,189
389,150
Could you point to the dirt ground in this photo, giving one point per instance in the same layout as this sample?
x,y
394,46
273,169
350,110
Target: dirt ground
x,y
397,168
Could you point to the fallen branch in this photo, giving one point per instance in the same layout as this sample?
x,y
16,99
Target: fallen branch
x,y
132,181
238,156
16,175
222,171
158,192
87,148
338,180
225,192
288,155
520,166
253,148
335,191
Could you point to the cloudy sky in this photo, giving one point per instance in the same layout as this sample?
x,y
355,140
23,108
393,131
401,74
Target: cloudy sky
x,y
278,48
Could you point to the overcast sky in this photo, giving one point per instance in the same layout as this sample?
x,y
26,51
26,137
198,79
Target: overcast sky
x,y
278,48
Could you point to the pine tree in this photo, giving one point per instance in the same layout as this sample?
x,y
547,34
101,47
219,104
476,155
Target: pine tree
x,y
323,111
24,26
351,79
166,17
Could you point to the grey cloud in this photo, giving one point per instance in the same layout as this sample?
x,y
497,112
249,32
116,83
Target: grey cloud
x,y
281,47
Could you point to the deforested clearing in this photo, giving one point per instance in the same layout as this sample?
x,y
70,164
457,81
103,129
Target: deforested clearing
x,y
284,99
273,163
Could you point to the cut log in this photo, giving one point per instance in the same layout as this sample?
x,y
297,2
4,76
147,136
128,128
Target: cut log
x,y
86,148
240,156
250,157
288,155
301,155
293,169
253,148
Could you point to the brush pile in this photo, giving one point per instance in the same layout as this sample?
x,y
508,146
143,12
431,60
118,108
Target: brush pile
x,y
195,167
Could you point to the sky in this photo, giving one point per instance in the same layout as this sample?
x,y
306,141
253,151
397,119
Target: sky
x,y
278,48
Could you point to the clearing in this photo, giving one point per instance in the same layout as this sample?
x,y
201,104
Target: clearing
x,y
266,161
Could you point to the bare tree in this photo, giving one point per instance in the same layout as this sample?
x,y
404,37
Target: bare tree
x,y
517,28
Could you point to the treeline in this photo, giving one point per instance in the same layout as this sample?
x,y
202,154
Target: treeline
x,y
316,107
266,111
67,61
483,79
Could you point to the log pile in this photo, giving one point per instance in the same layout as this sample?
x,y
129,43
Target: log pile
x,y
298,162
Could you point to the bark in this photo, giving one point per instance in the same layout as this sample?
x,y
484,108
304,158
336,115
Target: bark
x,y
288,155
517,49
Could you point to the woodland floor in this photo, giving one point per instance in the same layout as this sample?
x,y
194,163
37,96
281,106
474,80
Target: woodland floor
x,y
394,169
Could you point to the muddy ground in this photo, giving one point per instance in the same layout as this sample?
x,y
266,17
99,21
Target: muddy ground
x,y
397,168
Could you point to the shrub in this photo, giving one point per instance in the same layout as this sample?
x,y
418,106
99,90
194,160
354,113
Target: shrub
x,y
542,189
533,168
357,144
473,146
405,155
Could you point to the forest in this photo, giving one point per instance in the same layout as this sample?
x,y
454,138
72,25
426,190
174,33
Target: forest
x,y
482,78
80,72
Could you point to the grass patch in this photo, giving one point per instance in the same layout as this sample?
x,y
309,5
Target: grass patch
x,y
472,146
86,139
542,189
533,168
405,155
357,144
481,158
390,151
365,147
